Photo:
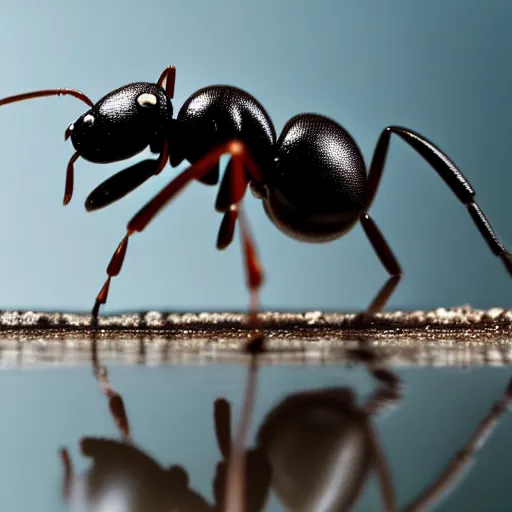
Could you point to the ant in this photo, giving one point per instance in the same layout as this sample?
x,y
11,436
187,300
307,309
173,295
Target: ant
x,y
312,179
320,446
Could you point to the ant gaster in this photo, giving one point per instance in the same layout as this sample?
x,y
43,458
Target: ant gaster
x,y
312,179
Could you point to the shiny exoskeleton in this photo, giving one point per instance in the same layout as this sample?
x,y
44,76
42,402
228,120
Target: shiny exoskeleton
x,y
312,179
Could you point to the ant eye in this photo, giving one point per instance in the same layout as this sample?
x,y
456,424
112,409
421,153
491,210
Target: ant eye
x,y
88,120
147,100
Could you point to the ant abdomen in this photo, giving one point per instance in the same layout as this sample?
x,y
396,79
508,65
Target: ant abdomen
x,y
317,189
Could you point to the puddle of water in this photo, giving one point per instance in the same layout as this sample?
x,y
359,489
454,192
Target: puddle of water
x,y
48,405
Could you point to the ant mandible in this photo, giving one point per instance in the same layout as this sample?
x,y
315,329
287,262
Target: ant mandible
x,y
312,180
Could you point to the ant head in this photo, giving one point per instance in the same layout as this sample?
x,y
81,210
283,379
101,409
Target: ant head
x,y
122,124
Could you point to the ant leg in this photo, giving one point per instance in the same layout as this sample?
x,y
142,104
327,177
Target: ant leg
x,y
229,199
226,201
448,171
388,260
383,295
169,76
125,181
241,157
456,466
227,229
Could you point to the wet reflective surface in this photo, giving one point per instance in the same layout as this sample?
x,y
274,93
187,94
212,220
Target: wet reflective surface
x,y
62,450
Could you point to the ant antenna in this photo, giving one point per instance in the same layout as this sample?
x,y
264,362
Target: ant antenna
x,y
47,92
68,191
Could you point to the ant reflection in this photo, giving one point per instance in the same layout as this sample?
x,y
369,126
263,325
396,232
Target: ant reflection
x,y
123,477
321,447
315,450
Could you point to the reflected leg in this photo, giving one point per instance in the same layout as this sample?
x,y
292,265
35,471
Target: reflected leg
x,y
455,468
115,400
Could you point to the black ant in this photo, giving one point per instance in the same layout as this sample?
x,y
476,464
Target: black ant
x,y
312,179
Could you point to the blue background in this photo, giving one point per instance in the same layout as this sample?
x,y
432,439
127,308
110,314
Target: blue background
x,y
441,68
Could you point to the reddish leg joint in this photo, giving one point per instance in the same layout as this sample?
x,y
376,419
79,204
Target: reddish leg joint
x,y
169,77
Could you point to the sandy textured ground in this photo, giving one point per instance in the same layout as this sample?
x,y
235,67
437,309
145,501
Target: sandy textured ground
x,y
460,336
460,321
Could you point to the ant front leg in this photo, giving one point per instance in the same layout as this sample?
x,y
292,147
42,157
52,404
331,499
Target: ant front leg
x,y
240,160
448,171
125,181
